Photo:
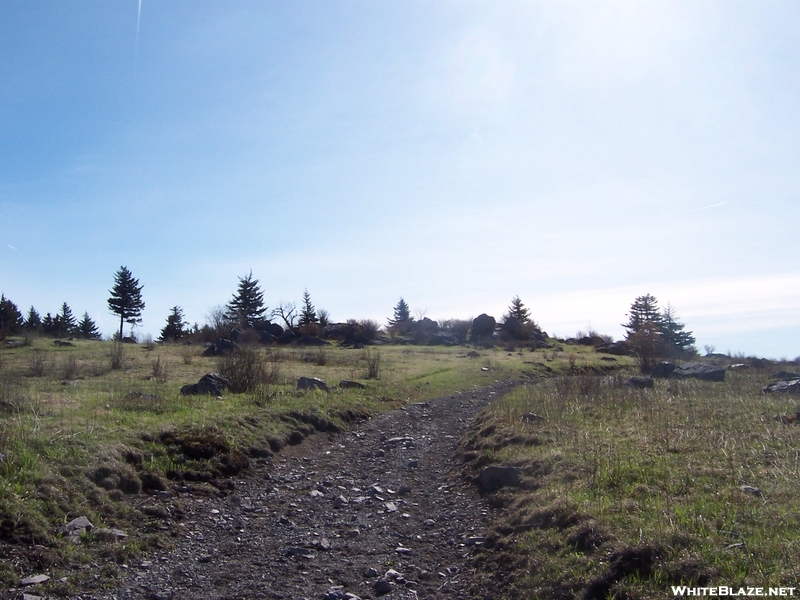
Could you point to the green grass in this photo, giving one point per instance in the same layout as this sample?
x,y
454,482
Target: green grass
x,y
75,433
650,471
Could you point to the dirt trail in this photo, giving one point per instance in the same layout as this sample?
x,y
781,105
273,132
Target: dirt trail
x,y
376,508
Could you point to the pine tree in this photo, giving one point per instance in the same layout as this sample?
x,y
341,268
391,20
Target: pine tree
x,y
126,298
34,321
402,314
175,328
518,311
10,318
247,306
67,323
674,335
50,324
308,314
644,310
87,328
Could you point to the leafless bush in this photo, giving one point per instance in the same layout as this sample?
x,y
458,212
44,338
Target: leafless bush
x,y
149,344
247,369
318,357
117,355
160,370
361,332
373,364
38,364
71,367
458,327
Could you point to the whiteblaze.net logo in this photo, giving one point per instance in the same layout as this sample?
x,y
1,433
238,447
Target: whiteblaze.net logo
x,y
723,590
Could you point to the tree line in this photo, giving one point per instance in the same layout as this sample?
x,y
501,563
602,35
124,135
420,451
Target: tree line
x,y
650,330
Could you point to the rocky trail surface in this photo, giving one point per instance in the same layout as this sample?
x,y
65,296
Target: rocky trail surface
x,y
376,511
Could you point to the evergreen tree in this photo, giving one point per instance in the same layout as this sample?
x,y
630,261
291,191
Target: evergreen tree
x,y
518,311
644,310
126,298
34,321
175,328
247,306
308,314
674,335
11,320
402,314
87,328
50,324
67,323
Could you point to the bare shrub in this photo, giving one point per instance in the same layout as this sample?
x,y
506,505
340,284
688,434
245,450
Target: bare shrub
x,y
247,369
160,370
373,364
458,327
148,342
318,357
38,364
117,355
71,367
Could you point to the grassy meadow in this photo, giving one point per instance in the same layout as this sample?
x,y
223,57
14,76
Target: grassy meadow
x,y
628,492
84,427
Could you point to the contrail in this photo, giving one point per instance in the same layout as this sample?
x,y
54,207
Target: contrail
x,y
138,20
12,247
705,207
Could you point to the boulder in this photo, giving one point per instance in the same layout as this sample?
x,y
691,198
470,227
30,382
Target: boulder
x,y
310,340
265,337
271,328
351,385
493,478
784,386
221,347
443,338
640,382
483,326
209,384
615,348
662,369
784,375
312,383
701,371
287,337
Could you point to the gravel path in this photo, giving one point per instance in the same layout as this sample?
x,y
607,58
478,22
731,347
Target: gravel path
x,y
377,511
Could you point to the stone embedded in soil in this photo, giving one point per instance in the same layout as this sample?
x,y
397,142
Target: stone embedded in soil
x,y
749,489
382,586
79,524
399,440
493,478
34,580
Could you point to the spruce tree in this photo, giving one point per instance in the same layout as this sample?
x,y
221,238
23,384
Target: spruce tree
x,y
402,314
644,311
247,305
175,328
33,322
10,318
674,335
67,323
87,328
308,314
126,298
518,311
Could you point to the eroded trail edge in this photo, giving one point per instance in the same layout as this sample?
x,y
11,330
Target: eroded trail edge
x,y
377,511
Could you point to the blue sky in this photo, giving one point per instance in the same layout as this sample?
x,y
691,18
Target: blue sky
x,y
578,154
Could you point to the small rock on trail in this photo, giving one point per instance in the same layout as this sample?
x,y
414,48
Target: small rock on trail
x,y
326,518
